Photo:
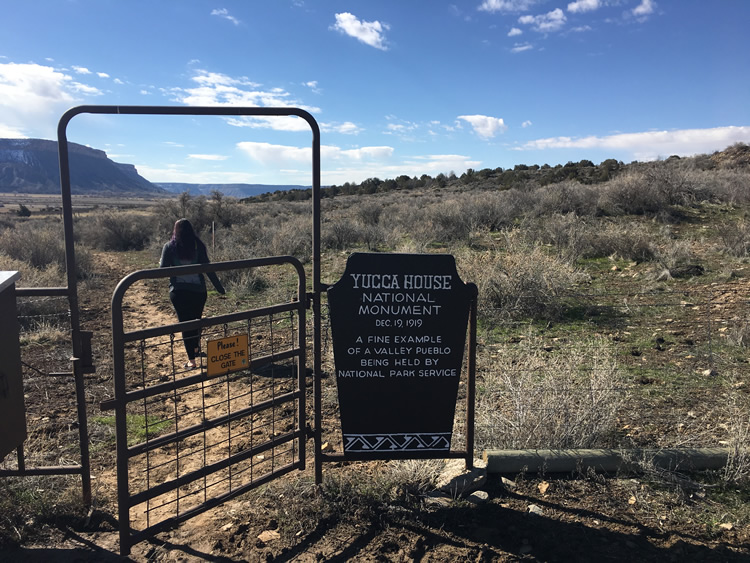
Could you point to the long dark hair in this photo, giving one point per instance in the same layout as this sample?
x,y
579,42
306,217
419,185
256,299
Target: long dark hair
x,y
184,240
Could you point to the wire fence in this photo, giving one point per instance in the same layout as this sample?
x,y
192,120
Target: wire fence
x,y
213,434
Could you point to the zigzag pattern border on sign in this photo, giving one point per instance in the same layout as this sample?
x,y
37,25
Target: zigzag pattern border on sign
x,y
412,442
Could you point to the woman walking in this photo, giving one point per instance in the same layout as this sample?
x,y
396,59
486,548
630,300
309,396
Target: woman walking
x,y
188,293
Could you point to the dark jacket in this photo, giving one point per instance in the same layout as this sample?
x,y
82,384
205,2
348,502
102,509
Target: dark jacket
x,y
192,282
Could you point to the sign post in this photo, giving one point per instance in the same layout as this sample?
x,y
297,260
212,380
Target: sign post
x,y
399,324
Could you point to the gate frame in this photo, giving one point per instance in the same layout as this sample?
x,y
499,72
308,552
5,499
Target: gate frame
x,y
125,501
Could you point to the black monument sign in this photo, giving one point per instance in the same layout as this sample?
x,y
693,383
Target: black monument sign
x,y
398,323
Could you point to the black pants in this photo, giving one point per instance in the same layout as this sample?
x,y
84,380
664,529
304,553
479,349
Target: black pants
x,y
189,306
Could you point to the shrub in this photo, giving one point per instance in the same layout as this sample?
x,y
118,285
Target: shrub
x,y
448,221
629,194
628,242
533,398
493,211
117,231
41,244
522,282
292,238
369,212
676,257
735,237
566,197
734,411
340,234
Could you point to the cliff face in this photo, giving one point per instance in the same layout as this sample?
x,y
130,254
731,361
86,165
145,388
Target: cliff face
x,y
32,166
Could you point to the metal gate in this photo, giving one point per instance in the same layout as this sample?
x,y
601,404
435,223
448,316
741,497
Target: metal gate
x,y
190,439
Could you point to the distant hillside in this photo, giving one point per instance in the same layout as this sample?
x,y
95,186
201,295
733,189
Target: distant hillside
x,y
32,166
232,190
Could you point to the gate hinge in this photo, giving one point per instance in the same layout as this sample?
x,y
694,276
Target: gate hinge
x,y
87,358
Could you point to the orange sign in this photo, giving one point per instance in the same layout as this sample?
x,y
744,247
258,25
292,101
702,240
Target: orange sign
x,y
226,355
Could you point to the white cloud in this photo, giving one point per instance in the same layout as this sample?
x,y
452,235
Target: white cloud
x,y
345,128
288,123
584,6
369,33
645,8
102,75
216,89
543,23
413,166
313,85
506,5
224,13
214,157
363,153
267,153
526,124
650,145
514,31
118,81
81,70
8,132
485,127
33,97
339,165
175,173
521,47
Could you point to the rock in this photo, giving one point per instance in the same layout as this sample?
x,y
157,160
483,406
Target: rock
x,y
507,483
458,481
534,509
327,447
268,536
478,497
687,270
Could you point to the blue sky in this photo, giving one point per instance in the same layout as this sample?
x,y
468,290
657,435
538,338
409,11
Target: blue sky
x,y
398,86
